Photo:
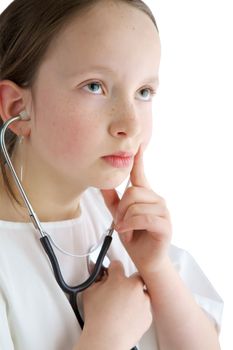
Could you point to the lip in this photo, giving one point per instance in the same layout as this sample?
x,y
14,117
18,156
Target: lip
x,y
120,159
121,154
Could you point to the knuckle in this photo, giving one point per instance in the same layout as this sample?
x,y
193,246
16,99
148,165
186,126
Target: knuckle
x,y
149,219
167,213
162,201
133,210
131,191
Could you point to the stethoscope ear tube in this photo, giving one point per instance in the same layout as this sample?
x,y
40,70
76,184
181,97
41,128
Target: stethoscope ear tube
x,y
31,212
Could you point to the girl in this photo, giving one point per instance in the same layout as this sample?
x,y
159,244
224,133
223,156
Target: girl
x,y
84,73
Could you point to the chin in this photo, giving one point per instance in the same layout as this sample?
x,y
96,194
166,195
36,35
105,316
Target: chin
x,y
114,182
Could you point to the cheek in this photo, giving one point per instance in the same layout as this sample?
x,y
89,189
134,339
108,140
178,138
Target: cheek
x,y
147,132
70,139
61,130
63,136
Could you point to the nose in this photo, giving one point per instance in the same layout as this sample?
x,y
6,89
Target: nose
x,y
124,121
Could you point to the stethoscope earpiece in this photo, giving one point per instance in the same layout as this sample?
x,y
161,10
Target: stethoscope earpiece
x,y
24,115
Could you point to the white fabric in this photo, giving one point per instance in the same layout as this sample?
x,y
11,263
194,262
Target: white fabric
x,y
35,313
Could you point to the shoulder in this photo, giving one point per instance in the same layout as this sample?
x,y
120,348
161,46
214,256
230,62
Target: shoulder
x,y
198,283
187,266
179,257
17,242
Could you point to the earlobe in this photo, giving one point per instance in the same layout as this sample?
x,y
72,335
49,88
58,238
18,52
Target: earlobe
x,y
12,103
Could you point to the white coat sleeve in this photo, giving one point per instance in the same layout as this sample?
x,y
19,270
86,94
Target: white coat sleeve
x,y
6,342
196,281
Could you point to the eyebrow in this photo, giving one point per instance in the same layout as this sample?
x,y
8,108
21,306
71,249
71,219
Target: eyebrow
x,y
152,79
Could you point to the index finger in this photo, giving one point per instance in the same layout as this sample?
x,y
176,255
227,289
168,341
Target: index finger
x,y
137,175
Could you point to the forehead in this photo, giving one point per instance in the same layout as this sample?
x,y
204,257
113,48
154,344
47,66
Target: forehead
x,y
112,33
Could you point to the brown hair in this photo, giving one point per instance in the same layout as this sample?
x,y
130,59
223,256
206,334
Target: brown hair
x,y
27,27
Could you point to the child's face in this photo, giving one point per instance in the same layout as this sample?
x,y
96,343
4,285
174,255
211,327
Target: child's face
x,y
115,49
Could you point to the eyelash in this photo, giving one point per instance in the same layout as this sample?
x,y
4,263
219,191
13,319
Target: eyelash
x,y
150,89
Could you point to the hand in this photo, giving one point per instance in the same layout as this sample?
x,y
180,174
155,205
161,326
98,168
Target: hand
x,y
116,310
141,219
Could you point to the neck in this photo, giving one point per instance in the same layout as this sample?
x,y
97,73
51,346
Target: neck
x,y
51,199
47,209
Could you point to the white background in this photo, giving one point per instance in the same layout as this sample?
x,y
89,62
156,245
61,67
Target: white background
x,y
189,160
191,155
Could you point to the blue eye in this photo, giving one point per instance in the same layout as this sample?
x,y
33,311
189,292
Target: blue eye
x,y
94,87
147,94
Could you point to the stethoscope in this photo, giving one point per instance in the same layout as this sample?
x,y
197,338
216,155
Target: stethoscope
x,y
96,270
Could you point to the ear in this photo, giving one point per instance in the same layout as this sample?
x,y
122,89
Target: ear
x,y
13,100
